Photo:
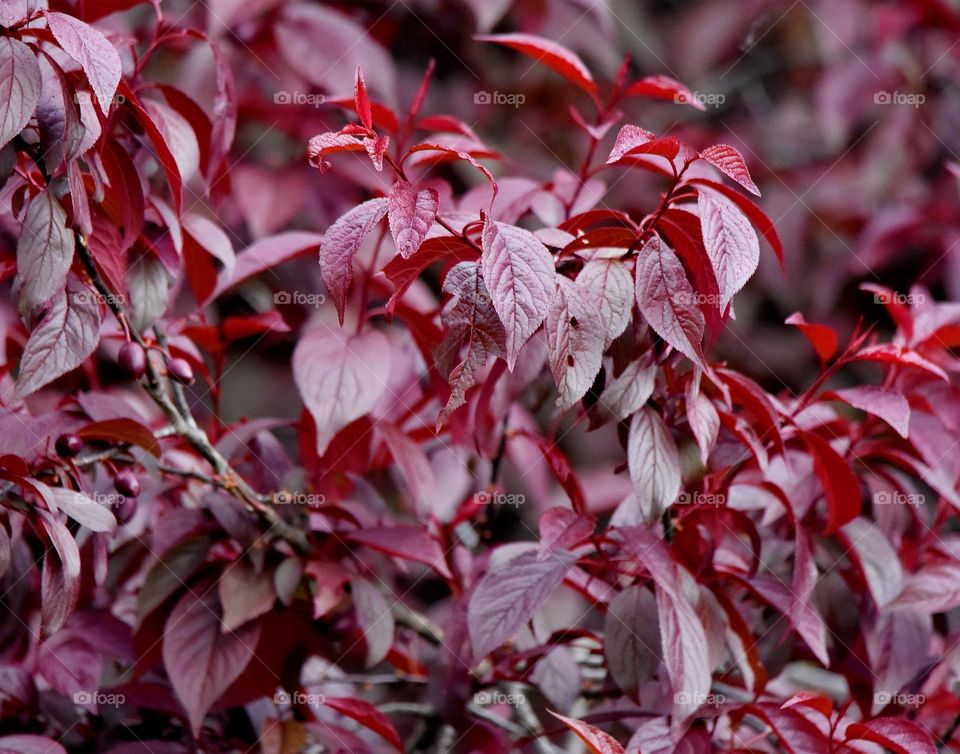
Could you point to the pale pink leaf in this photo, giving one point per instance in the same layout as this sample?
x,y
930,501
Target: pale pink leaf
x,y
93,51
631,634
703,419
518,271
596,740
731,244
340,245
876,558
267,253
374,617
244,594
885,403
667,300
609,280
630,137
340,377
562,528
897,734
413,464
654,463
575,341
410,213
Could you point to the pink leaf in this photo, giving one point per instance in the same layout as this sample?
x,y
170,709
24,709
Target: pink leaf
x,y
68,333
654,463
610,282
551,54
405,542
561,528
83,510
518,271
596,740
508,596
375,619
60,582
44,253
631,635
894,733
730,162
459,154
888,353
472,321
26,743
413,464
575,341
885,403
934,589
665,88
267,253
93,51
876,559
200,659
411,214
341,377
340,245
704,421
628,392
20,85
328,143
244,594
731,244
667,300
629,138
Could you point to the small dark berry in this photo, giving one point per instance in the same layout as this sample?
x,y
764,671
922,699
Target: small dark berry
x,y
133,360
126,483
180,370
69,446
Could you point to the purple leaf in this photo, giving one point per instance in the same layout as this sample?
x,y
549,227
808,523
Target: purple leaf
x,y
561,529
877,559
519,274
244,594
413,464
60,582
632,638
68,333
93,51
340,245
201,660
508,596
44,253
375,619
703,419
667,300
83,510
896,734
20,85
731,244
654,463
340,377
267,253
596,740
411,214
575,341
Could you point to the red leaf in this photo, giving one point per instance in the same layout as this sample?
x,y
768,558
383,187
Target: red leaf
x,y
328,143
840,484
406,542
362,100
822,337
596,740
730,162
124,431
665,88
368,716
551,54
895,733
887,353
